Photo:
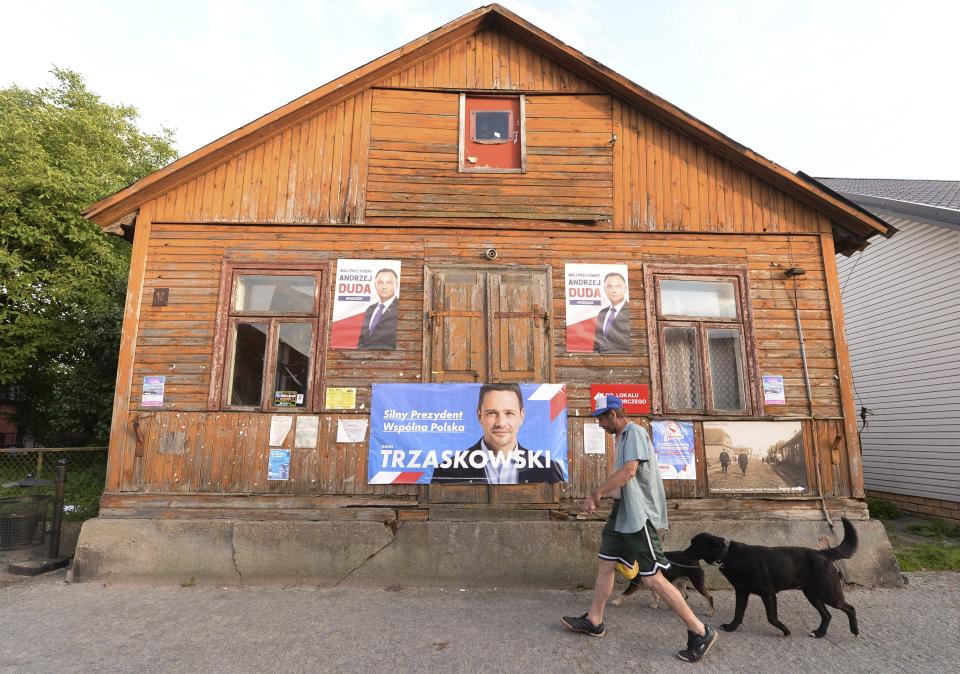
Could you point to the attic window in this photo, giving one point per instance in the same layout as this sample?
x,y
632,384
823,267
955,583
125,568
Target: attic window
x,y
492,134
491,126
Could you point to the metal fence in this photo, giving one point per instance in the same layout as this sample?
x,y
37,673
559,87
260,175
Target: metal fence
x,y
86,474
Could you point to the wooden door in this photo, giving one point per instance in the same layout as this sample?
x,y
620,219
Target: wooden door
x,y
488,326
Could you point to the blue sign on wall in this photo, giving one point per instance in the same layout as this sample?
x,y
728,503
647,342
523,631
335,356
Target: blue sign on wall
x,y
447,433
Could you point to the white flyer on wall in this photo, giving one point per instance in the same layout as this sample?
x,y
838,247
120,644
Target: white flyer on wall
x,y
280,425
351,430
594,438
306,434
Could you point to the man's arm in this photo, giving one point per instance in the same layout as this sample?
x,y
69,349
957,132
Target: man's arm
x,y
615,481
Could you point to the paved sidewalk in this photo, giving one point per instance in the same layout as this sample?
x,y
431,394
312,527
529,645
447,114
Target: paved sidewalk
x,y
49,625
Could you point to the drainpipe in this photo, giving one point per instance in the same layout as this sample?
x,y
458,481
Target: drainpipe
x,y
794,272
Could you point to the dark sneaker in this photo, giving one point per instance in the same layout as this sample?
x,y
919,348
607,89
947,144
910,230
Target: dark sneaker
x,y
697,646
583,625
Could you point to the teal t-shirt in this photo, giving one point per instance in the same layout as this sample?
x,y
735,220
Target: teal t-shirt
x,y
642,498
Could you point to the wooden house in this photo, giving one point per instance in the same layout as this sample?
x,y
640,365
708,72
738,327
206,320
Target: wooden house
x,y
901,299
382,163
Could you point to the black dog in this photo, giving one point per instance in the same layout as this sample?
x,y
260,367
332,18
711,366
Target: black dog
x,y
683,573
756,569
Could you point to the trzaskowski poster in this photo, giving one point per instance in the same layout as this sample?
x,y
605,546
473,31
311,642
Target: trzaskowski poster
x,y
467,434
366,305
598,308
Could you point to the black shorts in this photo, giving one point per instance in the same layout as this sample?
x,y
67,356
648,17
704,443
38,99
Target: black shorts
x,y
642,546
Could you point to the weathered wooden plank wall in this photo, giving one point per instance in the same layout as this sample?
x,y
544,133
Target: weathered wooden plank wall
x,y
227,453
413,161
489,60
665,181
605,183
649,177
177,340
314,171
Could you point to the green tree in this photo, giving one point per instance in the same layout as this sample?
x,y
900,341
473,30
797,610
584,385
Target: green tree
x,y
62,280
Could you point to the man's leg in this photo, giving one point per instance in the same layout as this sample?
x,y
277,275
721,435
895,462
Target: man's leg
x,y
671,595
602,590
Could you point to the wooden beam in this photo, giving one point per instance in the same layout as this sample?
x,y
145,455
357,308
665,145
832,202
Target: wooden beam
x,y
843,365
120,433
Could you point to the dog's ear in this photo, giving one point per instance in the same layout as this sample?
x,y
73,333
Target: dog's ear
x,y
726,542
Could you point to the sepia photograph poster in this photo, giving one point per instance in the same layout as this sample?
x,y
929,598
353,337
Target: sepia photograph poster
x,y
762,457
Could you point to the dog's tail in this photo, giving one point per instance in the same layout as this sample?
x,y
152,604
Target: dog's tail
x,y
847,547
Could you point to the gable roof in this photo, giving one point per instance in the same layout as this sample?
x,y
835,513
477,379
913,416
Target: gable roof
x,y
937,193
936,202
852,225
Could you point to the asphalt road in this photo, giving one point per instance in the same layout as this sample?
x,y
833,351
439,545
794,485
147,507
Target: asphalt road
x,y
49,625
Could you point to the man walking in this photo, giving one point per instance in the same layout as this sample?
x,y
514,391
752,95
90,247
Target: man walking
x,y
629,540
724,461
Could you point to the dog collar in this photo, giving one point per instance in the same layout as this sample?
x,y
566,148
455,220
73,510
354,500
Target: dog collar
x,y
723,555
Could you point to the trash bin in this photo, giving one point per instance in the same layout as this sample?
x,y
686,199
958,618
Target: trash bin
x,y
23,520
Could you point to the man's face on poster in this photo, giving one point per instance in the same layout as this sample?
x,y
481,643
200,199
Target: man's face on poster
x,y
386,284
615,289
500,417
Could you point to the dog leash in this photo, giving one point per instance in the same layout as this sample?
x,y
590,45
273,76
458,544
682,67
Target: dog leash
x,y
686,566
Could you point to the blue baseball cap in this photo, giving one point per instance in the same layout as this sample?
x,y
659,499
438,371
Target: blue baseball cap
x,y
612,402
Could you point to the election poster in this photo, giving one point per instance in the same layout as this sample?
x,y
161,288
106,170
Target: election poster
x,y
761,457
598,308
365,305
468,434
673,442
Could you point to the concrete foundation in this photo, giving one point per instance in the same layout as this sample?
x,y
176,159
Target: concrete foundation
x,y
468,554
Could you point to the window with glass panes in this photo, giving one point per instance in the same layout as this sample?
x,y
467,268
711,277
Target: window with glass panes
x,y
270,336
699,331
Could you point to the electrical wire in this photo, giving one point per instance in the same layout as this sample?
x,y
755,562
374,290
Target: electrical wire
x,y
850,273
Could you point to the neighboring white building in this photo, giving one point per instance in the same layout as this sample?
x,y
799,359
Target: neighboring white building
x,y
901,298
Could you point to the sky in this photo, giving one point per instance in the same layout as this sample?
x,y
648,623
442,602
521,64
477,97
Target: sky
x,y
840,88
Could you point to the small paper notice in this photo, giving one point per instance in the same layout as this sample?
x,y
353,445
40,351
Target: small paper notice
x,y
341,398
351,430
773,390
152,395
279,427
594,438
306,437
279,466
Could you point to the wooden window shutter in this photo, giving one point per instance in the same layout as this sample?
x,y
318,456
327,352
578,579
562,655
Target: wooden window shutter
x,y
519,325
458,330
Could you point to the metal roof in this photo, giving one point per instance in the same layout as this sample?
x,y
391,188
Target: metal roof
x,y
937,193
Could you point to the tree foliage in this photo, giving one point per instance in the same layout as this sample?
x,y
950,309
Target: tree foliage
x,y
62,280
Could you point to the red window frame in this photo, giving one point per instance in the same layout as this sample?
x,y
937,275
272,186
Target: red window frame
x,y
491,156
